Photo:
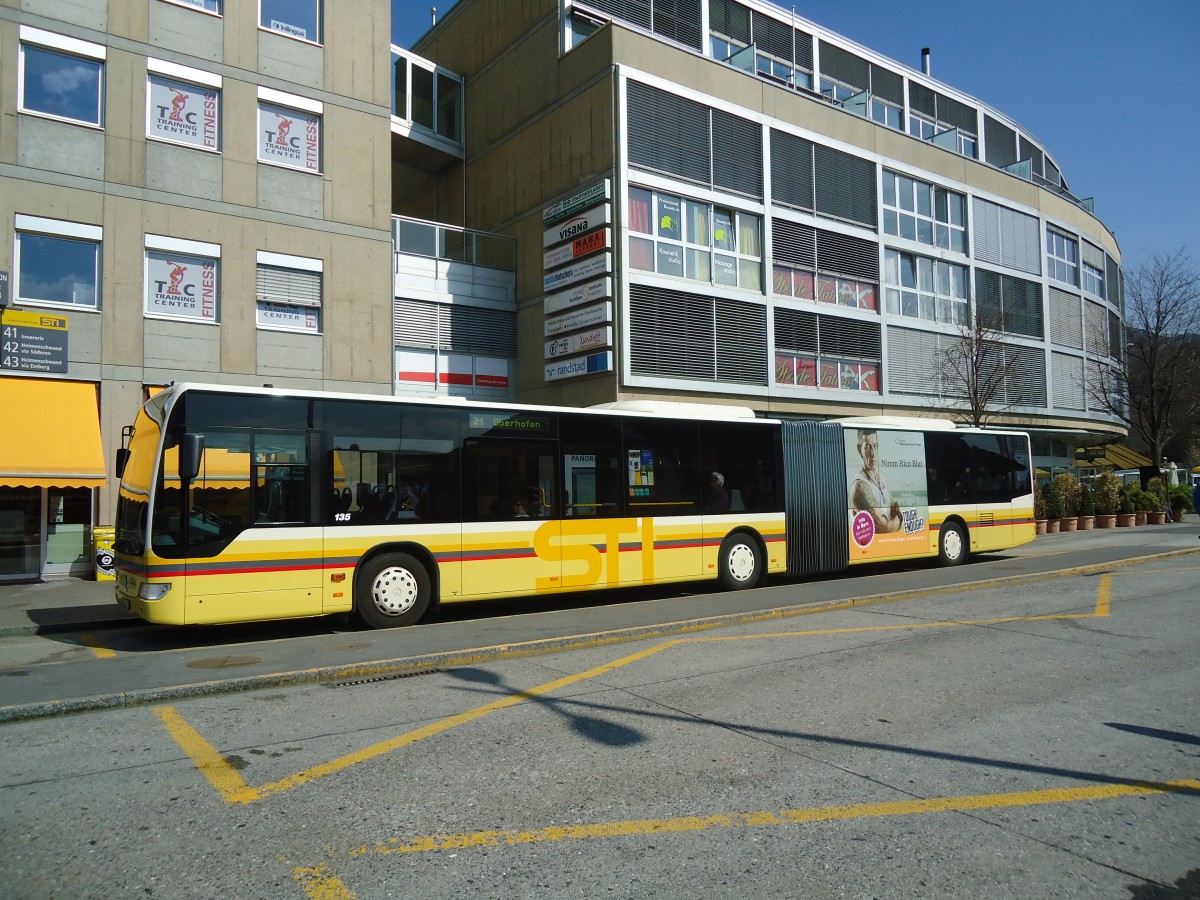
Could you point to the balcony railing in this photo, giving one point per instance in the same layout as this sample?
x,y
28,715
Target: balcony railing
x,y
418,237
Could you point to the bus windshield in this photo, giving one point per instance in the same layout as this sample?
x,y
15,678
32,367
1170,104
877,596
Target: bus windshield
x,y
133,501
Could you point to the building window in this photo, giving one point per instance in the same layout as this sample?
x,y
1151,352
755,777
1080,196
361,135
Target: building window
x,y
1093,280
965,143
295,18
288,293
209,6
887,114
826,352
57,263
61,77
690,239
801,284
1062,257
289,130
182,280
183,106
924,288
918,211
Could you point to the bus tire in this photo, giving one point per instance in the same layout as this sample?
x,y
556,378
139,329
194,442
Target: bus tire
x,y
952,544
739,562
393,589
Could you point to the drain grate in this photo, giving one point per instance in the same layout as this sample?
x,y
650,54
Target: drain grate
x,y
378,678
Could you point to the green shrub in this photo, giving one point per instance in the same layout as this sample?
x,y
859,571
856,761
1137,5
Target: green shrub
x,y
1158,488
1143,501
1181,497
1126,503
1068,489
1108,494
1039,502
1054,502
1087,501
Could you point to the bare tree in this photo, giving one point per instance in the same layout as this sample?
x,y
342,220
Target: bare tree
x,y
1155,394
976,372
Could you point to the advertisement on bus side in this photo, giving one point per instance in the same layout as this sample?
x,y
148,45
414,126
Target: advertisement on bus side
x,y
887,496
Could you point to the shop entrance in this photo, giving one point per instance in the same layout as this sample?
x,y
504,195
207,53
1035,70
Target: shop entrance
x,y
45,531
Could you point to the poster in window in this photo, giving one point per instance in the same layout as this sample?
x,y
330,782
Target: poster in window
x,y
289,137
670,259
669,217
184,113
284,315
182,286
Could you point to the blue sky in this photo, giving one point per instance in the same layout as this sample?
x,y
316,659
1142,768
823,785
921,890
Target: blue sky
x,y
1108,87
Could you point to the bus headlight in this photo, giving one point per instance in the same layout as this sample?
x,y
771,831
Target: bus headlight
x,y
153,591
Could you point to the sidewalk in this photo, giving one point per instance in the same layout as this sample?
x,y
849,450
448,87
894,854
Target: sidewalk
x,y
70,604
77,605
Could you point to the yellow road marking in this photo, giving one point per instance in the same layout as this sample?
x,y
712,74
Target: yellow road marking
x,y
783,817
90,640
319,883
1103,594
233,788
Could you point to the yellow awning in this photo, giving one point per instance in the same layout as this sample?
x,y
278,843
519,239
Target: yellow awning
x,y
1124,458
52,438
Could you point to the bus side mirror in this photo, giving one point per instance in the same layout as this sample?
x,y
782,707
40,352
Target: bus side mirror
x,y
122,460
191,449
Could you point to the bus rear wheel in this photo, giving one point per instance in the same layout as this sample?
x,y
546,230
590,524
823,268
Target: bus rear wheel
x,y
393,590
739,564
952,544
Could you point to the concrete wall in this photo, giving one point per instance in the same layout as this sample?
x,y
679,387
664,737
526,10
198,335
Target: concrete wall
x,y
116,178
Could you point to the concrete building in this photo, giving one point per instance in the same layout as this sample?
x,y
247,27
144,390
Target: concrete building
x,y
545,201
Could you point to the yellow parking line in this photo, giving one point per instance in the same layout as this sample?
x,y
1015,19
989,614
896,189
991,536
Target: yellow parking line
x,y
90,640
782,817
319,883
1103,596
233,788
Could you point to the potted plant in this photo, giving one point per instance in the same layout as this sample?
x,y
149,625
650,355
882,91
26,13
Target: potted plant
x,y
1144,504
1054,508
1039,509
1067,486
1179,496
1108,499
1087,508
1126,517
1156,491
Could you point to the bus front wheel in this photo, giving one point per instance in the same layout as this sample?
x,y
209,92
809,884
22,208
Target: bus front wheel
x,y
739,564
393,589
952,545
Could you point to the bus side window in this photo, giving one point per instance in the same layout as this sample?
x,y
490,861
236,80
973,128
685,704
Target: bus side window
x,y
592,475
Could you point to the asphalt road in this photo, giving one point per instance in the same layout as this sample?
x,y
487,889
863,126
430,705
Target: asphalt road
x,y
1029,737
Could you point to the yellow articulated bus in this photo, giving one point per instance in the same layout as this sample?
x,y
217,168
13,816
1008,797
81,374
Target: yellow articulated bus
x,y
242,504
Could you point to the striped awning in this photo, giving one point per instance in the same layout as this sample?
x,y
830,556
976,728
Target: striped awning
x,y
53,434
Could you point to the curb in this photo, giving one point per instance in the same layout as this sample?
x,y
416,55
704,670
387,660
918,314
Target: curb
x,y
449,659
34,628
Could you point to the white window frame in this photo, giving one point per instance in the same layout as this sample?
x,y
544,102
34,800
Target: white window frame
x,y
195,5
1058,265
318,41
158,243
893,182
198,78
939,301
62,230
295,264
68,46
1092,279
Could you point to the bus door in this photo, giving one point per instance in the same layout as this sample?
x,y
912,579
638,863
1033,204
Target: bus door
x,y
254,550
511,507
